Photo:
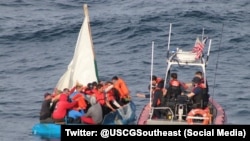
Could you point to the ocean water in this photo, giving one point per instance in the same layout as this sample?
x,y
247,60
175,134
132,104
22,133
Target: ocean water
x,y
37,40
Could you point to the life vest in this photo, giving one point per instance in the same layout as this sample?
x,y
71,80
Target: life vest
x,y
205,95
174,83
110,96
121,86
193,114
202,85
81,103
88,91
174,90
158,79
100,98
198,98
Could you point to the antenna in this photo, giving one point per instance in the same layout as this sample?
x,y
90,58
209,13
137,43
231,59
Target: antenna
x,y
216,68
202,35
208,51
152,59
169,36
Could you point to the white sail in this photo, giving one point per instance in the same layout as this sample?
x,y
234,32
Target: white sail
x,y
82,67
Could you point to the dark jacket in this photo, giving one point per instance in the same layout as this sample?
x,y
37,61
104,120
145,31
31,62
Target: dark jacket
x,y
157,96
45,110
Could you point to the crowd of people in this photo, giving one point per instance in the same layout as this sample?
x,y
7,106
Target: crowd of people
x,y
194,93
85,104
89,104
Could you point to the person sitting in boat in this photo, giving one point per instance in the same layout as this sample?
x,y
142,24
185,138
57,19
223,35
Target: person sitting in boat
x,y
62,106
204,88
157,99
56,96
197,95
76,90
94,85
79,109
111,96
89,89
200,75
122,87
46,111
99,95
94,114
73,115
156,80
174,89
100,98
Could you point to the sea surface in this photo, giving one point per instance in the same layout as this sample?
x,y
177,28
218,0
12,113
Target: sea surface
x,y
37,41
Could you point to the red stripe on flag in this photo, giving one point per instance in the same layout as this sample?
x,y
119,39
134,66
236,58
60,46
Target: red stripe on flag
x,y
198,48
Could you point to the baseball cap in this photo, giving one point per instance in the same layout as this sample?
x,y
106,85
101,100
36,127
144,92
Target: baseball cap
x,y
196,80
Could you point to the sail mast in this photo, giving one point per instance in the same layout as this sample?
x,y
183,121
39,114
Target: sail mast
x,y
86,13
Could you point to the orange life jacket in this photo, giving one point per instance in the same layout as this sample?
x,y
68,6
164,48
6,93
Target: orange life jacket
x,y
174,83
81,103
158,79
110,95
121,86
100,97
202,85
178,83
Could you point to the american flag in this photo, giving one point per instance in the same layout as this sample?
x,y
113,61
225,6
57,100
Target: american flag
x,y
198,48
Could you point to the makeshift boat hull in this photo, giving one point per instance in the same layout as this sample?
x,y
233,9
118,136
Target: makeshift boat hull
x,y
124,116
83,69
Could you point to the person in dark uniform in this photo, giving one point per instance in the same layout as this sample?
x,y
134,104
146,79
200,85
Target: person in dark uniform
x,y
197,93
157,99
46,110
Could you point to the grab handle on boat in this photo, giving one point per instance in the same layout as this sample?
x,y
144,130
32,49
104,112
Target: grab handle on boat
x,y
180,112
